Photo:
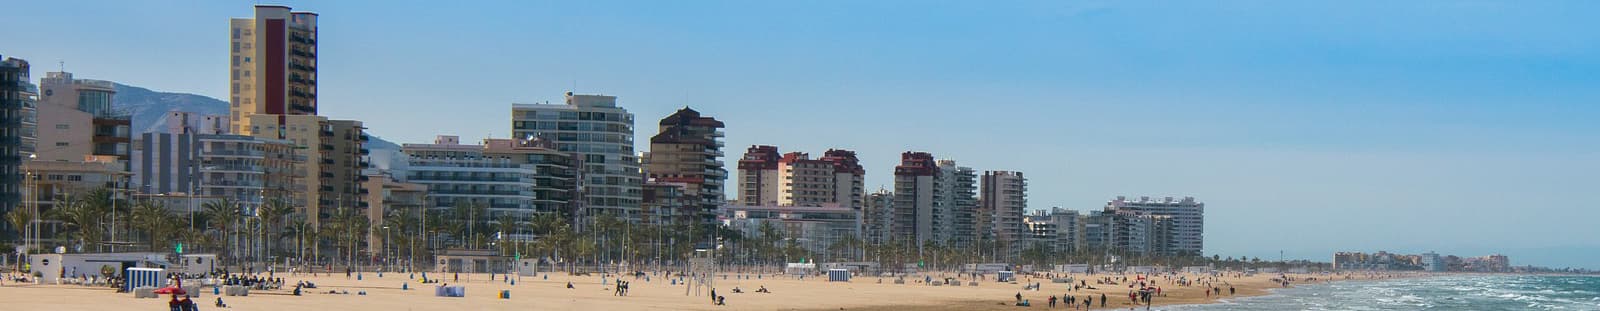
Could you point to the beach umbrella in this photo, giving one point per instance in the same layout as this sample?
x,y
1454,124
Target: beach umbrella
x,y
171,290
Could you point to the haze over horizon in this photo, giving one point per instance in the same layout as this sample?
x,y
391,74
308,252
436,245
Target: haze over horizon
x,y
1466,128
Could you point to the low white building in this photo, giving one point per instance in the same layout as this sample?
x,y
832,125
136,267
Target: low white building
x,y
53,267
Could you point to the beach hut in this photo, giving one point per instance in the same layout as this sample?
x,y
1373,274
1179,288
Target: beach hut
x,y
838,275
1005,276
143,277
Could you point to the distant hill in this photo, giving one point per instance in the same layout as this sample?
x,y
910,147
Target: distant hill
x,y
149,109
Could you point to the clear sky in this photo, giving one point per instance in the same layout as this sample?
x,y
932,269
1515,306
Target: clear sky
x,y
1466,127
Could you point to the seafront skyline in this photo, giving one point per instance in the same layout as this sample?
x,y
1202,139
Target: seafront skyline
x,y
1383,143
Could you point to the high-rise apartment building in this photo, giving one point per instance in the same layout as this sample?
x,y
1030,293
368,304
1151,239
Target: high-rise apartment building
x,y
14,77
916,216
688,150
957,198
1127,233
877,217
331,154
758,176
1186,216
511,177
601,134
273,65
1004,201
795,179
666,203
78,121
1058,228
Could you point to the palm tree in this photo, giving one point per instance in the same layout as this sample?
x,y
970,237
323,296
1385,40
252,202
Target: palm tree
x,y
19,219
349,227
223,215
303,232
81,220
155,221
272,214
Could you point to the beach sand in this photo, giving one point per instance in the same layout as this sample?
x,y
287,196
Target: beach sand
x,y
539,293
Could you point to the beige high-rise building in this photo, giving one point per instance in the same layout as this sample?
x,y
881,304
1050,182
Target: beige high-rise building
x,y
273,65
334,155
1004,200
688,150
795,179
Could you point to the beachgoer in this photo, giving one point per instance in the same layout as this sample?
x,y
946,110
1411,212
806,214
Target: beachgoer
x,y
1052,301
187,305
1102,300
714,297
174,304
1019,297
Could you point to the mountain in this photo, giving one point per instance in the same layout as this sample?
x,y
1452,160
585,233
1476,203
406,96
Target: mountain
x,y
149,109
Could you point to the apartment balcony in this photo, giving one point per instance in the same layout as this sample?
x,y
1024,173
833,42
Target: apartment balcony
x,y
232,168
302,39
365,151
477,192
464,179
232,153
232,184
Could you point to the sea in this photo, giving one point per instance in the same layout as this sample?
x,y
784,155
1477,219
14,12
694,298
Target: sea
x,y
1448,292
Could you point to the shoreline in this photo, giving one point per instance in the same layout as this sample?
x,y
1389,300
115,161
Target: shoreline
x,y
1247,293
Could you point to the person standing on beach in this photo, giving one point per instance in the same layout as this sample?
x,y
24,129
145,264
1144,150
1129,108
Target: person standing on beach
x,y
1102,300
1052,301
713,296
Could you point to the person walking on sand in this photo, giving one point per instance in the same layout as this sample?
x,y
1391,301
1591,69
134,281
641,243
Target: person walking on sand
x,y
1102,300
1052,301
713,296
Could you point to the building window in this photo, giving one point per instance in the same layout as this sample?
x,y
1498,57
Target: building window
x,y
62,126
62,144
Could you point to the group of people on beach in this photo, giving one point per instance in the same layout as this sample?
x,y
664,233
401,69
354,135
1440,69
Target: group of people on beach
x,y
1069,301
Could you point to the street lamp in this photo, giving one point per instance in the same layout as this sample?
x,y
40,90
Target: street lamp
x,y
387,260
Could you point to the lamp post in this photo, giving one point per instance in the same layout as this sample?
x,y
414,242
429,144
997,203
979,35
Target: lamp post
x,y
387,259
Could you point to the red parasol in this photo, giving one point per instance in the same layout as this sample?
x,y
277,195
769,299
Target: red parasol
x,y
171,290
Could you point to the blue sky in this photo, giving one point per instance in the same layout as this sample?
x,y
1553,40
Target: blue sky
x,y
1465,127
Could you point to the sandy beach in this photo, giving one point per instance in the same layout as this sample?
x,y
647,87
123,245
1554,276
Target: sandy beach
x,y
549,292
